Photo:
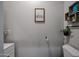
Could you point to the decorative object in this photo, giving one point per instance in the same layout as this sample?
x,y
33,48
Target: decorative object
x,y
39,15
73,14
67,31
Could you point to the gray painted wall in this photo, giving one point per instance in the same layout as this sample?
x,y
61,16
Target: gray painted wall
x,y
28,35
1,28
74,40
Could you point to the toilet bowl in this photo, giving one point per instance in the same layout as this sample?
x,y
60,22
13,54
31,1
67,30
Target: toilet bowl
x,y
70,51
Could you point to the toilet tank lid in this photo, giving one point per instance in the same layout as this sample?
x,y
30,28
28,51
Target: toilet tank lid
x,y
71,50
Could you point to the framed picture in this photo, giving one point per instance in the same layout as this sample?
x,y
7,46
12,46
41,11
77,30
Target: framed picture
x,y
39,15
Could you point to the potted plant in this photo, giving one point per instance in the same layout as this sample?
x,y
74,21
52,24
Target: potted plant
x,y
67,31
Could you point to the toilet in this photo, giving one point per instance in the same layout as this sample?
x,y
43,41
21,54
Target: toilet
x,y
70,51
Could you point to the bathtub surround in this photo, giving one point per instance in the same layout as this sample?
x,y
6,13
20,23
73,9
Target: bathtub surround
x,y
29,37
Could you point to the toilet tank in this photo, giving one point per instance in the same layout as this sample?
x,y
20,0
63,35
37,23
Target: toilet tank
x,y
70,51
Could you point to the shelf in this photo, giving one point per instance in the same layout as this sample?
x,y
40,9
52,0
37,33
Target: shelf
x,y
73,17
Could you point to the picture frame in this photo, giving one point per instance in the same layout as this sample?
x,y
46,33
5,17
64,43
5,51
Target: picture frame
x,y
39,15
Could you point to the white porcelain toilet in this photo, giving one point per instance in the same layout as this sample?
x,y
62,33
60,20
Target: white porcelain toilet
x,y
69,51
